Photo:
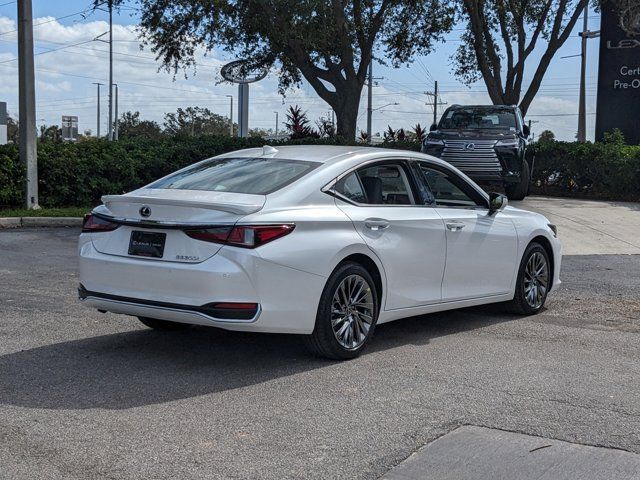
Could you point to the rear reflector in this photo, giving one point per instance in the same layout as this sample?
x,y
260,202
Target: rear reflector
x,y
232,310
245,236
93,223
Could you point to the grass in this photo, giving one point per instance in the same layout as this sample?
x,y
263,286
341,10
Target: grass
x,y
45,212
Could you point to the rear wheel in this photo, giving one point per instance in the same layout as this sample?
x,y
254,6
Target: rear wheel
x,y
520,190
347,314
534,279
163,324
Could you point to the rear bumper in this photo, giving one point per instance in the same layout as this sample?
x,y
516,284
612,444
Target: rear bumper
x,y
287,298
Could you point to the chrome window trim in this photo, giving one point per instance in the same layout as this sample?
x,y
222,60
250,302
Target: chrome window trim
x,y
328,188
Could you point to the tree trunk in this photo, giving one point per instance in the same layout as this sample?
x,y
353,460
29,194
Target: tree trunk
x,y
346,108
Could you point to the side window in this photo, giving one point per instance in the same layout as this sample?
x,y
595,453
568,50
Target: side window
x,y
449,190
385,184
350,187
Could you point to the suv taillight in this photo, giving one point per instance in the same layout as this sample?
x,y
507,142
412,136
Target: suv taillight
x,y
245,236
93,223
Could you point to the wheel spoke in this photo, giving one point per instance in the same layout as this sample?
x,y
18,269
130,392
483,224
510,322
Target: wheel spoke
x,y
352,311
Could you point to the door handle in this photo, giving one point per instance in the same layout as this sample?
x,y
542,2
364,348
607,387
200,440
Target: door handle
x,y
455,226
376,224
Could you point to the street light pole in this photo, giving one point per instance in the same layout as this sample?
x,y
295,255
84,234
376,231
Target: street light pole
x,y
27,102
276,125
115,122
98,110
370,101
110,129
230,115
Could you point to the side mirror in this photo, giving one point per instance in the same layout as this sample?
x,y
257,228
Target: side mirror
x,y
433,127
497,202
525,131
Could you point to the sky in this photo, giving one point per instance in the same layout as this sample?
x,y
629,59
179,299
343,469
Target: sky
x,y
69,60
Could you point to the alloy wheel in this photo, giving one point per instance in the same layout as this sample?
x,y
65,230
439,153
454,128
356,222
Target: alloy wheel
x,y
536,280
352,311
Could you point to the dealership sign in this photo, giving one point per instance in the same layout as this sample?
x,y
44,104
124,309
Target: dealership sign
x,y
618,78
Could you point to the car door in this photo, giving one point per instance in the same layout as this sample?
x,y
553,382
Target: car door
x,y
481,248
408,238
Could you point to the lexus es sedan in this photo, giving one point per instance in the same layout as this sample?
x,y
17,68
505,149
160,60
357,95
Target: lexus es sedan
x,y
321,241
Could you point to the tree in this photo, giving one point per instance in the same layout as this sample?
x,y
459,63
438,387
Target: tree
x,y
260,132
508,29
130,126
52,133
298,124
195,121
13,130
546,136
328,42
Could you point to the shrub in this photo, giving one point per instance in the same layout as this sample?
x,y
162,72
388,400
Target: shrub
x,y
608,171
79,174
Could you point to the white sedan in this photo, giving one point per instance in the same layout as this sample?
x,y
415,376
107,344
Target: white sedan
x,y
322,241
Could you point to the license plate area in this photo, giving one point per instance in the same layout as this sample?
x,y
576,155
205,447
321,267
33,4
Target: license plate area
x,y
147,244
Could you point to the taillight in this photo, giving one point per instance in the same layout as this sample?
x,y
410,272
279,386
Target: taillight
x,y
93,223
245,236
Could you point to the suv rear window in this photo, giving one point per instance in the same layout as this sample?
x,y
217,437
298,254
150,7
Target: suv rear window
x,y
258,176
481,118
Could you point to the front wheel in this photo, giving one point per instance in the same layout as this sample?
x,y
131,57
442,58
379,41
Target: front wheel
x,y
347,314
520,190
534,279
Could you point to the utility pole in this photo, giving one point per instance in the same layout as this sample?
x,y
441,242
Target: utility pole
x,y
27,102
115,122
436,102
276,125
230,115
582,109
98,111
110,130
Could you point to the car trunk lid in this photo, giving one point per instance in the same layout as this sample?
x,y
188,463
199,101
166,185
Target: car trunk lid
x,y
169,212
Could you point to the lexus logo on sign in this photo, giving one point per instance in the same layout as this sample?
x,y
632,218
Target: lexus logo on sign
x,y
470,146
623,44
145,212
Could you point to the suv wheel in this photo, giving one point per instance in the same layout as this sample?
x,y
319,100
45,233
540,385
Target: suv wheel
x,y
520,190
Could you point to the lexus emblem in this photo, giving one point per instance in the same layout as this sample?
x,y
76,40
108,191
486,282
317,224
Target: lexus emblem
x,y
470,146
145,211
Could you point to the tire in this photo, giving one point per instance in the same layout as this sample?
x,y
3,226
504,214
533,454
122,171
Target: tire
x,y
525,301
521,189
164,325
344,335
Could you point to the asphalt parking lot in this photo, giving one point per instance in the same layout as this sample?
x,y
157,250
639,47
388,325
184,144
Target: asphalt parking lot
x,y
90,395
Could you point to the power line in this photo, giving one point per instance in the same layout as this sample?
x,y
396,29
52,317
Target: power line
x,y
50,20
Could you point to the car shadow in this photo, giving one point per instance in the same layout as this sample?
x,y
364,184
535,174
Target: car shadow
x,y
145,367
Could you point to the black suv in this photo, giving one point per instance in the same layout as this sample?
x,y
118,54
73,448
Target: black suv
x,y
487,142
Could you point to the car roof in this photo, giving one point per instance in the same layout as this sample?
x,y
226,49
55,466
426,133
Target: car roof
x,y
497,107
310,153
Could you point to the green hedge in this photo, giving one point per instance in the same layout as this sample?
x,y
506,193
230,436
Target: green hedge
x,y
79,174
607,171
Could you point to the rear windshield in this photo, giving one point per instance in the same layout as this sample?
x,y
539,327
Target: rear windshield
x,y
258,176
479,118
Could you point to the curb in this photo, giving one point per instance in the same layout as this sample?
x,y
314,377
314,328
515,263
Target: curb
x,y
39,222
